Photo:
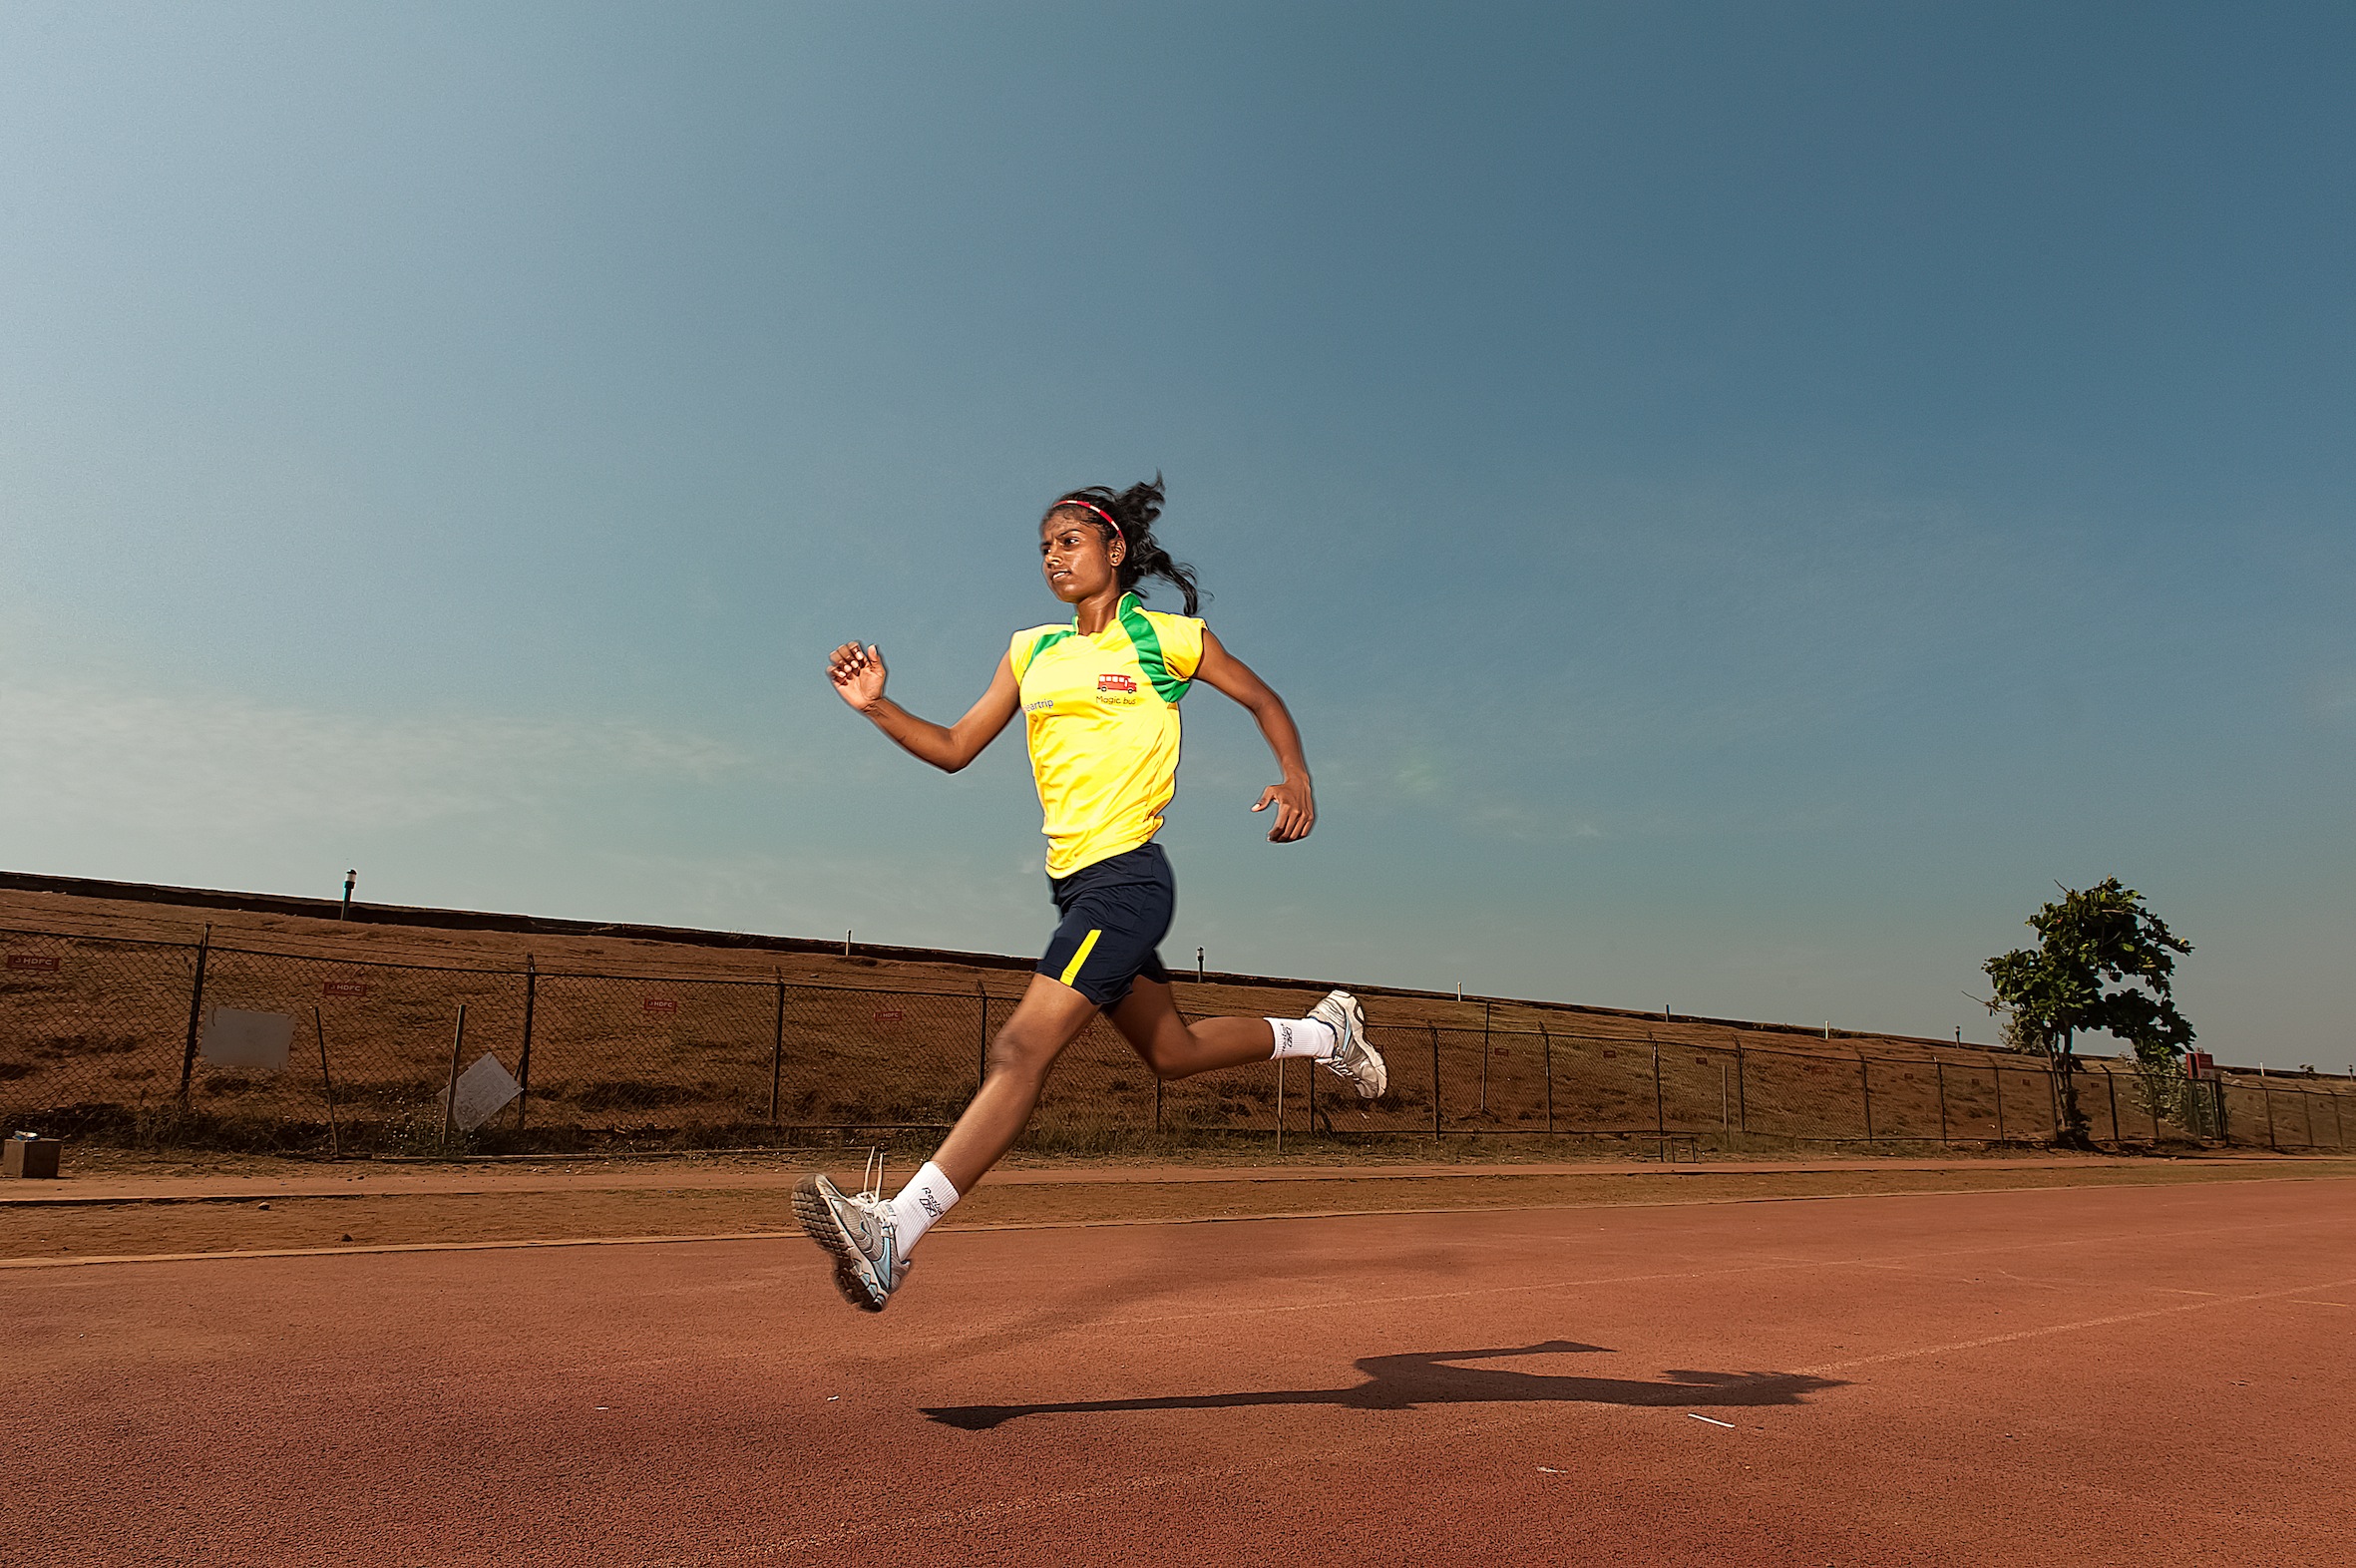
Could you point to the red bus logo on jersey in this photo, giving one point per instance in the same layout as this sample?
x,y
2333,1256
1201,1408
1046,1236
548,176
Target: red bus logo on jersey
x,y
1117,683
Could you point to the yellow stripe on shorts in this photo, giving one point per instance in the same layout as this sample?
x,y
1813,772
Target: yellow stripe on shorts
x,y
1074,968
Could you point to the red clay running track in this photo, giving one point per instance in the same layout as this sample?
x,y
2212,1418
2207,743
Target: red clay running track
x,y
2154,1376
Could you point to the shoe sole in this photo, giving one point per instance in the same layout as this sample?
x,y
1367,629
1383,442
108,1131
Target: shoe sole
x,y
852,1290
818,1221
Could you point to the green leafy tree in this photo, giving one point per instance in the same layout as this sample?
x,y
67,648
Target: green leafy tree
x,y
2103,963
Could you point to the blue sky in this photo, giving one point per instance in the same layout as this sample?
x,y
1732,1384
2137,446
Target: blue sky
x,y
1741,499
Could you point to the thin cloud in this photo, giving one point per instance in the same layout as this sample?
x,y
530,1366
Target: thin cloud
x,y
80,754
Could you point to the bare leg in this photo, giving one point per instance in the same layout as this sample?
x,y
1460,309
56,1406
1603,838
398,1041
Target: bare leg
x,y
1148,1020
1050,1017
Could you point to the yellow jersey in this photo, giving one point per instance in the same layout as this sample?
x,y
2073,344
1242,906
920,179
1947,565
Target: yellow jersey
x,y
1102,717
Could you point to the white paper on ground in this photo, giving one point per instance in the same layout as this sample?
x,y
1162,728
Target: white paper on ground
x,y
236,1039
481,1089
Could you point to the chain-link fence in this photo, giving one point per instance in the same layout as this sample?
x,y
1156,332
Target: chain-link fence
x,y
229,1044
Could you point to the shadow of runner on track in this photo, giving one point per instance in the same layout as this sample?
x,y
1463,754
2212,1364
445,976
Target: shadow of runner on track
x,y
1405,1382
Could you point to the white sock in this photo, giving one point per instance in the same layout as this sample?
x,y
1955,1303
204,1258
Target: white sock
x,y
1303,1038
925,1198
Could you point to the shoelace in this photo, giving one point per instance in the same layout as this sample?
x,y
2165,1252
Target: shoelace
x,y
871,1178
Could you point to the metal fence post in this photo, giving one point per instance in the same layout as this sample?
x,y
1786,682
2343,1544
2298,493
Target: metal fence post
x,y
187,1055
777,1047
1546,1056
1484,1058
1280,1108
1660,1116
2110,1089
2267,1090
524,1057
981,1041
1742,1093
1940,1067
1866,1088
1996,1071
1435,1080
449,1098
327,1082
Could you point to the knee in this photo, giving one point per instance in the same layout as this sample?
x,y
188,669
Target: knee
x,y
1168,1066
1170,1054
1015,1055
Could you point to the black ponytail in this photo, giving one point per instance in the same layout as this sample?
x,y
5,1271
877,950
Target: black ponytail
x,y
1133,510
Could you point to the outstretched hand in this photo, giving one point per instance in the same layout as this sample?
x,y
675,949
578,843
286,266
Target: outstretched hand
x,y
1296,810
858,674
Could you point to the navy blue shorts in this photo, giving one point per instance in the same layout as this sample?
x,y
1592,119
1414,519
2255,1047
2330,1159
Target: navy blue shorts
x,y
1115,913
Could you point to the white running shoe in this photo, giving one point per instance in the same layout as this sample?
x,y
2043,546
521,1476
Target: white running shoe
x,y
1355,1057
856,1229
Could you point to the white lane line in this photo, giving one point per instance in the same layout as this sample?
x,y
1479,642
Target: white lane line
x,y
340,1252
903,1527
1765,1265
1895,1261
2286,1294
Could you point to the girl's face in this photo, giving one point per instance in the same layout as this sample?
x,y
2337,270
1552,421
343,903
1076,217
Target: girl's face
x,y
1077,559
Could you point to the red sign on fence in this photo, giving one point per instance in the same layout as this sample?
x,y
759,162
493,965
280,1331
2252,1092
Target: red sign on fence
x,y
46,963
343,989
890,1016
661,1005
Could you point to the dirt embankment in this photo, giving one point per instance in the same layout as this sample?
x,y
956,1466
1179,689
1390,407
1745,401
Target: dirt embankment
x,y
641,1034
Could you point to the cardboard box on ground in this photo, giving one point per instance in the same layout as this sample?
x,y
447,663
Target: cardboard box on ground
x,y
31,1156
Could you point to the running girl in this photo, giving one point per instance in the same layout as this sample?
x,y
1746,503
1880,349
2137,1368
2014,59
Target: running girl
x,y
1099,699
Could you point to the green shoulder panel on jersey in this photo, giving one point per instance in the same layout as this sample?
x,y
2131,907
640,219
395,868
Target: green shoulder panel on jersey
x,y
1148,643
1046,641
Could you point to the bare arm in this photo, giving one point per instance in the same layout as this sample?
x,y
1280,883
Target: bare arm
x,y
1295,805
858,674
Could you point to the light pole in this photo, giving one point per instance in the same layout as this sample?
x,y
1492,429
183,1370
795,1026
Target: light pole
x,y
349,878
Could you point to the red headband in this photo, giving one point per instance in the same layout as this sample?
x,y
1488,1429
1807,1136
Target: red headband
x,y
1074,500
